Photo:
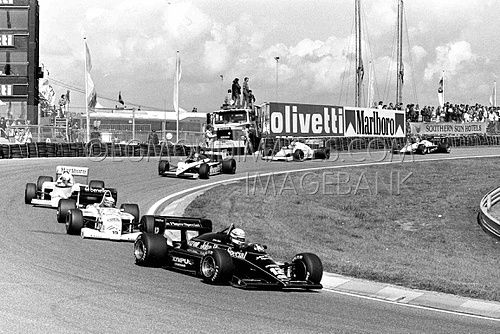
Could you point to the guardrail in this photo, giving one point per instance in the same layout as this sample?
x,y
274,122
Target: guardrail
x,y
484,217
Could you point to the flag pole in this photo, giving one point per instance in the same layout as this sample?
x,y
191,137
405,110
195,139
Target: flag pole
x,y
442,76
495,96
177,93
86,92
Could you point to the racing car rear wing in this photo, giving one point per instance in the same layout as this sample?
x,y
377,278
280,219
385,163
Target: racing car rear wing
x,y
75,171
162,223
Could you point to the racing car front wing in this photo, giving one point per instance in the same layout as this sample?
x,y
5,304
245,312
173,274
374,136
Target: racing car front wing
x,y
183,175
96,234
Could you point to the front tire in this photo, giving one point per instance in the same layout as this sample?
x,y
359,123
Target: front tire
x,y
229,166
74,222
150,250
63,208
216,266
298,155
307,267
204,171
29,193
163,166
422,149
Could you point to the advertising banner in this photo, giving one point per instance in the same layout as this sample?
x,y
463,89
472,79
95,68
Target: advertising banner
x,y
305,120
428,128
366,122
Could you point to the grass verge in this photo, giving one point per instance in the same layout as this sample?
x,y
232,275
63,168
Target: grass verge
x,y
409,224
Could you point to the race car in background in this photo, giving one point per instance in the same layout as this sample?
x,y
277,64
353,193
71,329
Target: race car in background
x,y
189,245
424,146
199,165
296,151
47,192
101,220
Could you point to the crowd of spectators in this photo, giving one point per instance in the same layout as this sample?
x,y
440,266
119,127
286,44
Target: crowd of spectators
x,y
15,131
460,113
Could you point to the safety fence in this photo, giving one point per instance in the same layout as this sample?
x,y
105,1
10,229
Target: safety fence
x,y
91,149
487,221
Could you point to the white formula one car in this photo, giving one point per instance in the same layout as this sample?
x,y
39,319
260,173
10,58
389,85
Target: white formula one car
x,y
297,151
47,192
424,147
101,220
199,165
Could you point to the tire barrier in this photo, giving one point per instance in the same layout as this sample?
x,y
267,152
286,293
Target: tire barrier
x,y
489,223
91,149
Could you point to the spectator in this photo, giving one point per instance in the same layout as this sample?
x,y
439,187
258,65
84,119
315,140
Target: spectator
x,y
236,91
2,128
251,99
62,105
209,135
246,93
153,138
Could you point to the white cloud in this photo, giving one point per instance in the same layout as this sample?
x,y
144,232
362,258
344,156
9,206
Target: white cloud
x,y
450,58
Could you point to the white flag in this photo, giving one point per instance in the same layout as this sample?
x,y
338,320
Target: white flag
x,y
178,74
90,89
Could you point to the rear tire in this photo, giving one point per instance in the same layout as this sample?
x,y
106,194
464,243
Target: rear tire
x,y
74,222
96,184
307,267
204,171
298,155
133,209
29,193
229,166
163,166
216,266
41,180
150,250
63,208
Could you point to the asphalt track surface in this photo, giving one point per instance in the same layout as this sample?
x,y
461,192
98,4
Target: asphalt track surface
x,y
51,282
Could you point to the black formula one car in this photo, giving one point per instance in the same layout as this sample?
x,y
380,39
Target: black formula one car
x,y
189,245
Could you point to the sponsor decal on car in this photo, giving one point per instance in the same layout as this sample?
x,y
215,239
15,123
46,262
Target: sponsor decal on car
x,y
182,262
236,254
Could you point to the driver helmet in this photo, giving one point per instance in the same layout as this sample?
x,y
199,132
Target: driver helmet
x,y
108,202
237,236
65,178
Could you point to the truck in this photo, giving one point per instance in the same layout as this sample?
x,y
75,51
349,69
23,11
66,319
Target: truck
x,y
269,127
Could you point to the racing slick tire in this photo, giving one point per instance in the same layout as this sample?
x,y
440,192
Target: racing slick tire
x,y
63,208
41,180
421,149
204,171
298,155
216,266
163,166
96,184
74,222
150,250
443,148
147,225
133,209
29,192
229,166
307,267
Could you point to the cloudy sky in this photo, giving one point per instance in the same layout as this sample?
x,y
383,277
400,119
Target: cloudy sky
x,y
133,46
